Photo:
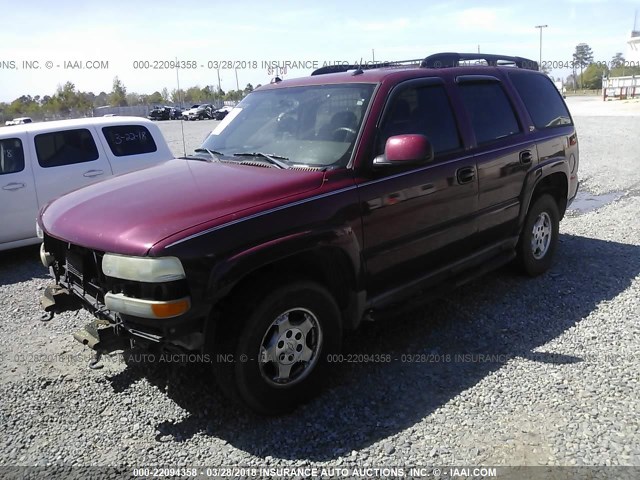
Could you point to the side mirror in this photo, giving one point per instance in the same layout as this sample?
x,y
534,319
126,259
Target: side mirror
x,y
405,150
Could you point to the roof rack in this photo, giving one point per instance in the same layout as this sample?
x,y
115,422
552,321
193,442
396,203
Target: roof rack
x,y
453,59
367,65
437,60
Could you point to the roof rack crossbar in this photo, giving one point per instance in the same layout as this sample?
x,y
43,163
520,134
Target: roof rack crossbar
x,y
367,65
453,59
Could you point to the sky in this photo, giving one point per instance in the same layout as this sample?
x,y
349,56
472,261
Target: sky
x,y
113,35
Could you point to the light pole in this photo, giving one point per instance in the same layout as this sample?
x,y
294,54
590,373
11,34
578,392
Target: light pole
x,y
541,27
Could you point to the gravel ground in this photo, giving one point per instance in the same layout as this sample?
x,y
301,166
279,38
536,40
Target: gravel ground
x,y
505,371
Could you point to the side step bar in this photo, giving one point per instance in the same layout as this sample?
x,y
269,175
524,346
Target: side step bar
x,y
448,278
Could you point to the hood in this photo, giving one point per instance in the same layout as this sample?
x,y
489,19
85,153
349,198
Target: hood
x,y
129,213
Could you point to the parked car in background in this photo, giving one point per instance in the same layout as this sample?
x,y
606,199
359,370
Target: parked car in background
x,y
165,113
317,203
199,112
18,121
41,161
220,113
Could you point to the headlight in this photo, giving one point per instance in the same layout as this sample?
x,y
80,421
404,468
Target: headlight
x,y
142,269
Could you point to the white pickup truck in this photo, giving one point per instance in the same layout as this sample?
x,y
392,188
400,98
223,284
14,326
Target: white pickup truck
x,y
41,161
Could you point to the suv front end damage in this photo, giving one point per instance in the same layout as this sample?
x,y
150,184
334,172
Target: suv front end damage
x,y
134,299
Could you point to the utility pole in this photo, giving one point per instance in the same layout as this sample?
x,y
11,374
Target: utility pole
x,y
541,27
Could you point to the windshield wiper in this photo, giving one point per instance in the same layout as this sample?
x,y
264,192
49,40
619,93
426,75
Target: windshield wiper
x,y
213,153
271,158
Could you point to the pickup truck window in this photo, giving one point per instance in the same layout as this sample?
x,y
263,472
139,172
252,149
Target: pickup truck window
x,y
314,125
65,147
542,99
423,110
125,140
492,116
11,156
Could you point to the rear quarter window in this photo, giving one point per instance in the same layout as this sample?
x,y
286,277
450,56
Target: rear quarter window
x,y
125,140
65,147
11,156
542,99
490,111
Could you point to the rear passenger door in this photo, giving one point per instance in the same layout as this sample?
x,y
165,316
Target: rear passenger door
x,y
18,201
66,160
130,147
419,218
502,152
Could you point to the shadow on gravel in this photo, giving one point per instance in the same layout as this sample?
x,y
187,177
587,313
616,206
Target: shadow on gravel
x,y
437,352
20,265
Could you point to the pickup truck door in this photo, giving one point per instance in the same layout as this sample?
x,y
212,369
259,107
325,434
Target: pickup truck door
x,y
18,200
418,219
65,160
133,146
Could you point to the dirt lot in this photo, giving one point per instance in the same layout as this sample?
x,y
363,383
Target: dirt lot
x,y
506,371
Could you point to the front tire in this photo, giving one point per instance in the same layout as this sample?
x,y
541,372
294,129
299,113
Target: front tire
x,y
280,349
539,236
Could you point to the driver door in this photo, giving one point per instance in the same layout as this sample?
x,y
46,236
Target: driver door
x,y
416,219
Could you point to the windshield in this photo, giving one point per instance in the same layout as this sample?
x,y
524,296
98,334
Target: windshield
x,y
312,125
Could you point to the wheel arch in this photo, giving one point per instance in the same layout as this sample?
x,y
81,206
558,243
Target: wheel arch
x,y
333,264
554,183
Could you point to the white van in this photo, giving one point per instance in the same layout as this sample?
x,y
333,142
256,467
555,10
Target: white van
x,y
41,161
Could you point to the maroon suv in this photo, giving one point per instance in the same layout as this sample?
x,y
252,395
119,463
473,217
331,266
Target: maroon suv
x,y
316,202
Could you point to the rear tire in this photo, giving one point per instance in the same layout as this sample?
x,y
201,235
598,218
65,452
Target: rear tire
x,y
539,236
279,347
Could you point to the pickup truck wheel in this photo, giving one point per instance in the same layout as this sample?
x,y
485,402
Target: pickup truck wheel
x,y
539,236
280,352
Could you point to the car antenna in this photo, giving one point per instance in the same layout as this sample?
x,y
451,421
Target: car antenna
x,y
184,146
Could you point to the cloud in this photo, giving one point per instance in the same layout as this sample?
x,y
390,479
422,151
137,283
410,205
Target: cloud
x,y
380,26
480,19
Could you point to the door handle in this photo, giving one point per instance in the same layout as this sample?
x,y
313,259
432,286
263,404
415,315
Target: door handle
x,y
93,173
465,174
526,157
13,186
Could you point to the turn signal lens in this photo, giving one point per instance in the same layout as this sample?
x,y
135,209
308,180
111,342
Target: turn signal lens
x,y
170,309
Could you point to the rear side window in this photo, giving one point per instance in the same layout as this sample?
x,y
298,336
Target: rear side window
x,y
125,140
11,156
67,147
542,99
426,111
492,116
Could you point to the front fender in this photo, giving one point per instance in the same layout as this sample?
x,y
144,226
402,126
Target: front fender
x,y
330,243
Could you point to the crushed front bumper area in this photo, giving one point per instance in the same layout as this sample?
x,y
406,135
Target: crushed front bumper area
x,y
103,337
56,299
100,335
110,332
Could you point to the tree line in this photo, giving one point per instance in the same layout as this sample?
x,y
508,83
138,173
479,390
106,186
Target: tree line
x,y
68,101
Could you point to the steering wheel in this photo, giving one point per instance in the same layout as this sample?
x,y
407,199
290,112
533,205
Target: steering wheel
x,y
345,131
